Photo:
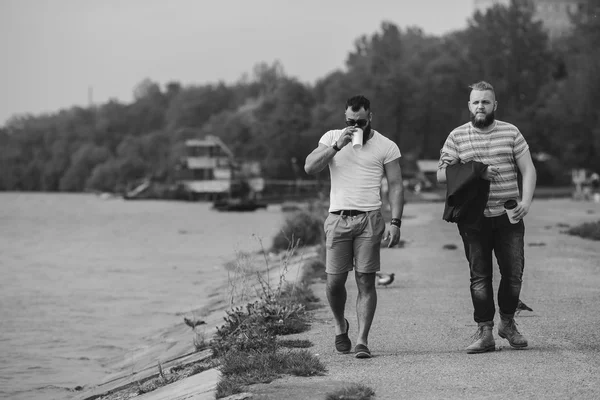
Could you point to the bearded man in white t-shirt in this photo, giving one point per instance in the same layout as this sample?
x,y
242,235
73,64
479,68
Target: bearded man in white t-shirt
x,y
355,227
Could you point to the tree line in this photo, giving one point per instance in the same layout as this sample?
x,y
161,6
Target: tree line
x,y
417,83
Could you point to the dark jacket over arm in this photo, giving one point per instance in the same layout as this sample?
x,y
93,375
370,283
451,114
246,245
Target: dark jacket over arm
x,y
466,192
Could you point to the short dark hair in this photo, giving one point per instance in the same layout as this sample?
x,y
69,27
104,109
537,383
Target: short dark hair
x,y
358,102
482,86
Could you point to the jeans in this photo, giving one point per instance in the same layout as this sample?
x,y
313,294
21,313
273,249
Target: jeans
x,y
506,240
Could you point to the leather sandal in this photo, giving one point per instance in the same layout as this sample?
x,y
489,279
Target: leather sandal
x,y
362,351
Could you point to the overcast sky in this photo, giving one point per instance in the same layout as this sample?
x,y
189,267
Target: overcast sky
x,y
54,50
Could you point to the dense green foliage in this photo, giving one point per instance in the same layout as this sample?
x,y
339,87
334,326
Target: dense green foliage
x,y
418,85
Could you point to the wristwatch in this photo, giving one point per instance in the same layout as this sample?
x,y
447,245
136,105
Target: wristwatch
x,y
396,222
335,147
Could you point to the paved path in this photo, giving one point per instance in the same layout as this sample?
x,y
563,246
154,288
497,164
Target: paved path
x,y
424,320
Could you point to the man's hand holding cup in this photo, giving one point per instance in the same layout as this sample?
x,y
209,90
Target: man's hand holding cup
x,y
347,135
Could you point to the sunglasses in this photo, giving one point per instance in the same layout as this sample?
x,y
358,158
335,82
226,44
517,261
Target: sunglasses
x,y
361,123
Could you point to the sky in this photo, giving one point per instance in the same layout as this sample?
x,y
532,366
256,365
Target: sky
x,y
55,53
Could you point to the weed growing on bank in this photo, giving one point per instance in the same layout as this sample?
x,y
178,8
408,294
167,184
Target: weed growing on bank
x,y
246,345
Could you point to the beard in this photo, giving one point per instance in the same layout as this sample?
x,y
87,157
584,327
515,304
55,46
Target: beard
x,y
483,123
366,133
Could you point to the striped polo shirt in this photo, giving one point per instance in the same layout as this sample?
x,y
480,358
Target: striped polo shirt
x,y
501,147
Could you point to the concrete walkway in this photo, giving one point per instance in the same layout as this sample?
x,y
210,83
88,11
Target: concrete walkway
x,y
424,319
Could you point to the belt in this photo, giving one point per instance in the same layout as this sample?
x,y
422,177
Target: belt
x,y
350,213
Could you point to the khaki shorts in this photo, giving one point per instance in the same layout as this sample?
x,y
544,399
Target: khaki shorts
x,y
353,242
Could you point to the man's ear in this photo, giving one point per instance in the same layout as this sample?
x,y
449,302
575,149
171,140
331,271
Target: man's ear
x,y
495,105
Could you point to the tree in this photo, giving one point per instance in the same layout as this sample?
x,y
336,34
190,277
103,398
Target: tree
x,y
508,48
83,161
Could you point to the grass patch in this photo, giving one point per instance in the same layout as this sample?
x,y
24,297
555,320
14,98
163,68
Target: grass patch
x,y
295,343
240,368
588,230
352,392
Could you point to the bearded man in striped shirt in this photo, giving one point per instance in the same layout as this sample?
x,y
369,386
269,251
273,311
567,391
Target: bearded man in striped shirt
x,y
501,147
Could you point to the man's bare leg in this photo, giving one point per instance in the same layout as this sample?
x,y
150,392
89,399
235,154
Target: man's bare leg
x,y
366,303
336,295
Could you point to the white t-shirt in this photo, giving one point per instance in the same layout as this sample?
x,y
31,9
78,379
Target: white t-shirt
x,y
356,173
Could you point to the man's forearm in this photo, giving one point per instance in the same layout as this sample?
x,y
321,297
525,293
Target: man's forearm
x,y
441,175
529,181
396,198
318,160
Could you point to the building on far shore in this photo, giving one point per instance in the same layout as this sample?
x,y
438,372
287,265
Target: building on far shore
x,y
209,171
554,14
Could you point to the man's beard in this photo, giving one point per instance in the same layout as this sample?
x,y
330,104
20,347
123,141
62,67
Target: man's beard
x,y
483,123
366,133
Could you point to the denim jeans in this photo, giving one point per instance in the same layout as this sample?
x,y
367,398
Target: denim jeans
x,y
506,241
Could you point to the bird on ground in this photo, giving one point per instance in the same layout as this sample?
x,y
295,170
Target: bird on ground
x,y
384,279
193,323
522,307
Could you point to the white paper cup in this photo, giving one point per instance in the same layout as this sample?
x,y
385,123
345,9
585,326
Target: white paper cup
x,y
510,207
357,138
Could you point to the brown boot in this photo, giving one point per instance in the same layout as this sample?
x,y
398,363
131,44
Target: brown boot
x,y
483,340
507,329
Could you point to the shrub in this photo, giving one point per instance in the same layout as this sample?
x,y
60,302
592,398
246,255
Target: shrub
x,y
313,270
589,230
303,227
300,293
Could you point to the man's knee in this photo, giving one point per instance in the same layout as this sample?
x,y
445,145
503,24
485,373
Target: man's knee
x,y
365,281
336,282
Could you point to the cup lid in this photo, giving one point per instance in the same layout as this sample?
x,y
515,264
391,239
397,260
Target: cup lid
x,y
510,204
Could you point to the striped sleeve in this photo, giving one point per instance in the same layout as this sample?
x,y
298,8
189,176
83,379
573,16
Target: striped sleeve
x,y
448,153
520,145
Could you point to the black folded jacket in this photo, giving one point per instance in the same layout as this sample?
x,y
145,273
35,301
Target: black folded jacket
x,y
466,192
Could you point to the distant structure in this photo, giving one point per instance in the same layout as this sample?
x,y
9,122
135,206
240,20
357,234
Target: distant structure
x,y
210,171
554,14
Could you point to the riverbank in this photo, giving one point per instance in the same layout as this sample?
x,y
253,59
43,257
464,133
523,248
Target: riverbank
x,y
181,357
424,319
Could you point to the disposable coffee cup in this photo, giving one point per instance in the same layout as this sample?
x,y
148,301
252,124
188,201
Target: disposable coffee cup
x,y
510,206
357,138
